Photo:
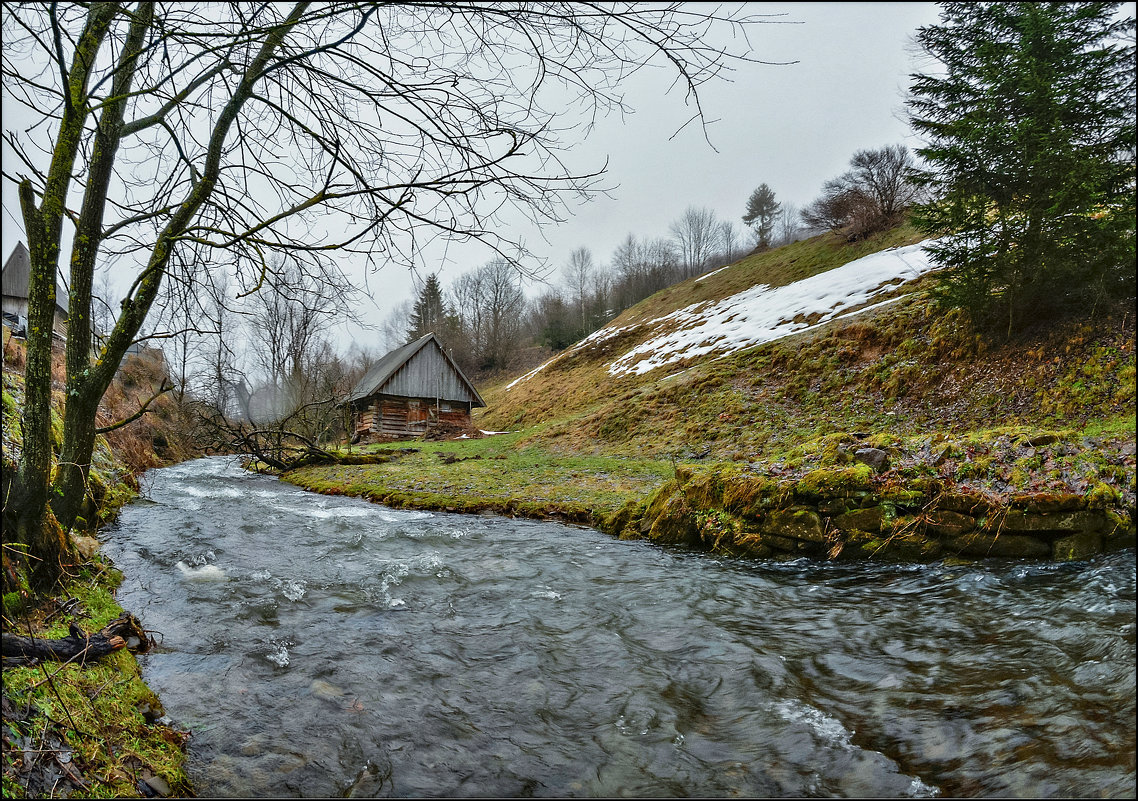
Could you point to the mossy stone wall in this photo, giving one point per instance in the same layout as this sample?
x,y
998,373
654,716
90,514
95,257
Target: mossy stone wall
x,y
843,514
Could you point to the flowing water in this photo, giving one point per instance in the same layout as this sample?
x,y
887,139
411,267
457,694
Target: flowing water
x,y
320,645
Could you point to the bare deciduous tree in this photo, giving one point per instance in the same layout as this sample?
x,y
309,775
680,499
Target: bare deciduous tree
x,y
869,197
696,233
580,275
239,130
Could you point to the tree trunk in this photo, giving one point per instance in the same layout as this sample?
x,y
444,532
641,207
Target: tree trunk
x,y
27,508
69,492
85,390
34,524
122,632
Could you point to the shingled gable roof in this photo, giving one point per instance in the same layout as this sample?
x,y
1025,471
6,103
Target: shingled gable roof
x,y
16,273
386,368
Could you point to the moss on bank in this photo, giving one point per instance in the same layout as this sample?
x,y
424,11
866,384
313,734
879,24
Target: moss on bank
x,y
88,730
92,729
1001,492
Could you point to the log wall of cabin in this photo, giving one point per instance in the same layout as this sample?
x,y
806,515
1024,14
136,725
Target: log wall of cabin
x,y
400,418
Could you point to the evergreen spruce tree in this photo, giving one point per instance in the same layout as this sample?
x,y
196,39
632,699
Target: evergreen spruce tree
x,y
429,314
1030,156
762,211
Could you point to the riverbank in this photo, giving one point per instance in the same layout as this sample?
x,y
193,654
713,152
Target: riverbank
x,y
95,730
1013,492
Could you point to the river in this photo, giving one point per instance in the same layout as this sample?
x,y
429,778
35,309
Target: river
x,y
320,645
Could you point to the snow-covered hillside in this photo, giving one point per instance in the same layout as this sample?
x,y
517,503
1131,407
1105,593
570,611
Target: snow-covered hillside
x,y
760,314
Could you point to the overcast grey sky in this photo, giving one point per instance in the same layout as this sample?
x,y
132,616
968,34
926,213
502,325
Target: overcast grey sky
x,y
791,127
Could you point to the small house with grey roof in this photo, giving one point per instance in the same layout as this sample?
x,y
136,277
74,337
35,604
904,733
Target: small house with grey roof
x,y
14,280
410,391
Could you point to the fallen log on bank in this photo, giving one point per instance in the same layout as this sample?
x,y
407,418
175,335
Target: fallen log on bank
x,y
122,632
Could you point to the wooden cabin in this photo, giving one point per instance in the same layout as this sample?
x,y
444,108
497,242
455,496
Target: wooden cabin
x,y
15,278
410,391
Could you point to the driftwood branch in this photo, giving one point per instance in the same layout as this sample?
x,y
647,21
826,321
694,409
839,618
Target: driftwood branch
x,y
77,647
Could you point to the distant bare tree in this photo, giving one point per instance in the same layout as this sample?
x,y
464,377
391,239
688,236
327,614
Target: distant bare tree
x,y
393,331
869,197
502,306
788,229
288,325
580,274
730,242
696,233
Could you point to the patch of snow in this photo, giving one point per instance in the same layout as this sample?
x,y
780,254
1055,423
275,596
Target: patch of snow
x,y
598,336
492,433
764,313
713,272
532,372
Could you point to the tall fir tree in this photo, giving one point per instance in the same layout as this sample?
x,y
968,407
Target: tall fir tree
x,y
762,211
1030,131
429,314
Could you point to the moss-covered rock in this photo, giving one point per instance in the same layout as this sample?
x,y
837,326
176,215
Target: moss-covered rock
x,y
982,544
834,482
674,524
1080,545
704,490
861,519
798,523
1043,502
750,495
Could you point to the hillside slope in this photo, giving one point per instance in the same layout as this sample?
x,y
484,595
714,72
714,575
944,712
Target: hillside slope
x,y
811,400
680,375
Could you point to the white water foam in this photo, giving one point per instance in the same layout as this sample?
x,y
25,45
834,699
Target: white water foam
x,y
279,655
219,492
828,729
394,573
292,589
205,573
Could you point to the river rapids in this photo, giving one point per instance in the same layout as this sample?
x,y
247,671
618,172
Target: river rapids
x,y
321,646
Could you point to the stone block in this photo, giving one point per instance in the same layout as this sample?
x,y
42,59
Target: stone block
x,y
1042,502
799,524
861,519
964,503
1042,522
1080,545
978,544
944,523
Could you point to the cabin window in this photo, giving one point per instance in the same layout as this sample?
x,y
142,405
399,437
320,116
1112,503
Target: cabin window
x,y
444,407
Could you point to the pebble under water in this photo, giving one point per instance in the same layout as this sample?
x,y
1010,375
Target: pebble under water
x,y
319,646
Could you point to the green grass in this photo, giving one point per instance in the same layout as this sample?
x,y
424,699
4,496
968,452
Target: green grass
x,y
94,708
494,474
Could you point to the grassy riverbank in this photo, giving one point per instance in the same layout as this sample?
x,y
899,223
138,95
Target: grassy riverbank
x,y
1048,413
94,730
492,474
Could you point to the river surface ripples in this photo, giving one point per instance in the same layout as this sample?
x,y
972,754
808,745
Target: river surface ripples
x,y
321,645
